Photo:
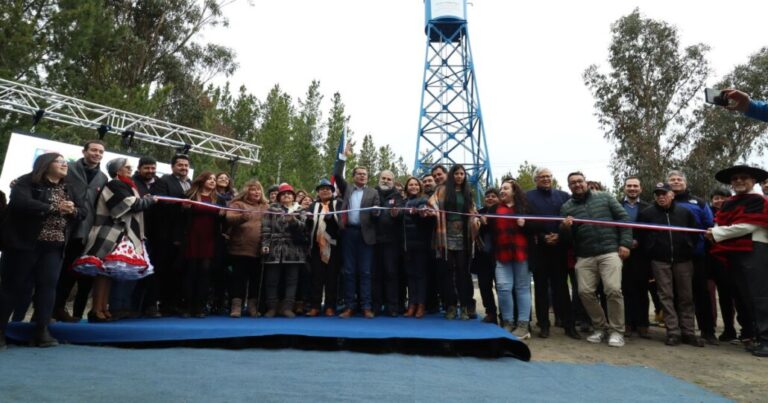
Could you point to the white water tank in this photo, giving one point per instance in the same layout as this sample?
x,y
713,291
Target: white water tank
x,y
445,10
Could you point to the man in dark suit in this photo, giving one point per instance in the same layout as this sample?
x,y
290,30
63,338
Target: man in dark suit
x,y
166,238
358,232
636,270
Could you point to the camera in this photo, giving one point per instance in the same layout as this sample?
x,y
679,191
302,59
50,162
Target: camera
x,y
715,97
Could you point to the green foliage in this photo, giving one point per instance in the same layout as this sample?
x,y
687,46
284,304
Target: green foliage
x,y
146,57
723,138
644,102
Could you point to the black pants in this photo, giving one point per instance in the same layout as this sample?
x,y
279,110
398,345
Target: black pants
x,y
18,268
415,262
456,279
196,281
701,297
385,283
246,276
166,284
325,276
68,279
484,265
634,286
272,275
433,283
722,278
751,275
549,267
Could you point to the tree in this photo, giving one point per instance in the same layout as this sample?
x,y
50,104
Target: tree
x,y
644,102
305,143
723,138
369,158
274,137
337,120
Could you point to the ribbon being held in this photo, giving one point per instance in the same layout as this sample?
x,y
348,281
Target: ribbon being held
x,y
604,223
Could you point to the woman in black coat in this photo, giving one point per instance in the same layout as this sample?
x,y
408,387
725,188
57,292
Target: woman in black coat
x,y
41,212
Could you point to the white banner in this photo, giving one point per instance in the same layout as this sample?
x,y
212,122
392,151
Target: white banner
x,y
23,149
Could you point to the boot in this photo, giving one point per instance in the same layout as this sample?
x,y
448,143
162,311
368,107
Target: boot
x,y
420,310
236,308
490,318
253,308
271,310
410,311
450,313
43,338
62,315
464,313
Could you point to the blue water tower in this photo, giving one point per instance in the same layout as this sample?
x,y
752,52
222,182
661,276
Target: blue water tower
x,y
451,127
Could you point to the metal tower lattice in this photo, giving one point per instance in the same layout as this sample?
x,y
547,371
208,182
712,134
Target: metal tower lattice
x,y
451,127
41,103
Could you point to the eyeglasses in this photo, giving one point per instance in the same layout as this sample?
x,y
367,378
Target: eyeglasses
x,y
60,162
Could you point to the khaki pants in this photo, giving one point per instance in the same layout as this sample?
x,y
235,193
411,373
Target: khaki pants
x,y
674,282
589,272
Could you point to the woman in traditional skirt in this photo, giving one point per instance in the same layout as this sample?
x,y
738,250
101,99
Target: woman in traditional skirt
x,y
115,247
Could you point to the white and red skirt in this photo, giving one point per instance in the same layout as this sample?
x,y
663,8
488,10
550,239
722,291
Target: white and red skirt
x,y
123,263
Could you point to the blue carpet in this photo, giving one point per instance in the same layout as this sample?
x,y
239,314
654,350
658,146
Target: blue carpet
x,y
91,374
212,328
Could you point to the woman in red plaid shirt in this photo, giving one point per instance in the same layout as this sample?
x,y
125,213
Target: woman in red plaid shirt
x,y
510,248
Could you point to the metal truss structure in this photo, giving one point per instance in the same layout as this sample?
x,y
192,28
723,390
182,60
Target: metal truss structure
x,y
39,103
451,122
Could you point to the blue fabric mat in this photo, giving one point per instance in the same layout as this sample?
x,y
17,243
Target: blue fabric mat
x,y
87,374
217,327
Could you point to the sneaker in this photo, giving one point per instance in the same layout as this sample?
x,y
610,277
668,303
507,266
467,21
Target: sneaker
x,y
464,314
521,331
596,337
616,340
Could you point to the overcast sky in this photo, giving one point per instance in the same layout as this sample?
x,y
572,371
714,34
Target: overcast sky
x,y
529,57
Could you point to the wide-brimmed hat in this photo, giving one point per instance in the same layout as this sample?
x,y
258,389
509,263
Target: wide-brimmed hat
x,y
325,183
284,187
724,176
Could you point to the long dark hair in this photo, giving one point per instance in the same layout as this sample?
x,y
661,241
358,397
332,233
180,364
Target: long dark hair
x,y
196,189
521,202
450,190
41,166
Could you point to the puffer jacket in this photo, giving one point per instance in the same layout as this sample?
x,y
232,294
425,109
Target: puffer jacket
x,y
594,240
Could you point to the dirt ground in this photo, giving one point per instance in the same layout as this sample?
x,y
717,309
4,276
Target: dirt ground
x,y
727,369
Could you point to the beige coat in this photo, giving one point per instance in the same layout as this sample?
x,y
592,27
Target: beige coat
x,y
245,235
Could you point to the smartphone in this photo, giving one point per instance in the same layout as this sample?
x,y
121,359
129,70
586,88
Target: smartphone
x,y
715,97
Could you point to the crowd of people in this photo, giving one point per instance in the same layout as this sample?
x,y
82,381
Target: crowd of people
x,y
140,245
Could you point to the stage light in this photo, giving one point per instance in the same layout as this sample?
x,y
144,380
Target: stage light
x,y
128,138
102,130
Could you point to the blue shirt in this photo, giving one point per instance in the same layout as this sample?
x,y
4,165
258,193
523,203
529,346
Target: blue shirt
x,y
631,209
355,200
758,110
701,212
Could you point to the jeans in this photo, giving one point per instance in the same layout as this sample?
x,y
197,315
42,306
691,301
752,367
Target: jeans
x,y
515,275
246,275
358,259
18,268
590,271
